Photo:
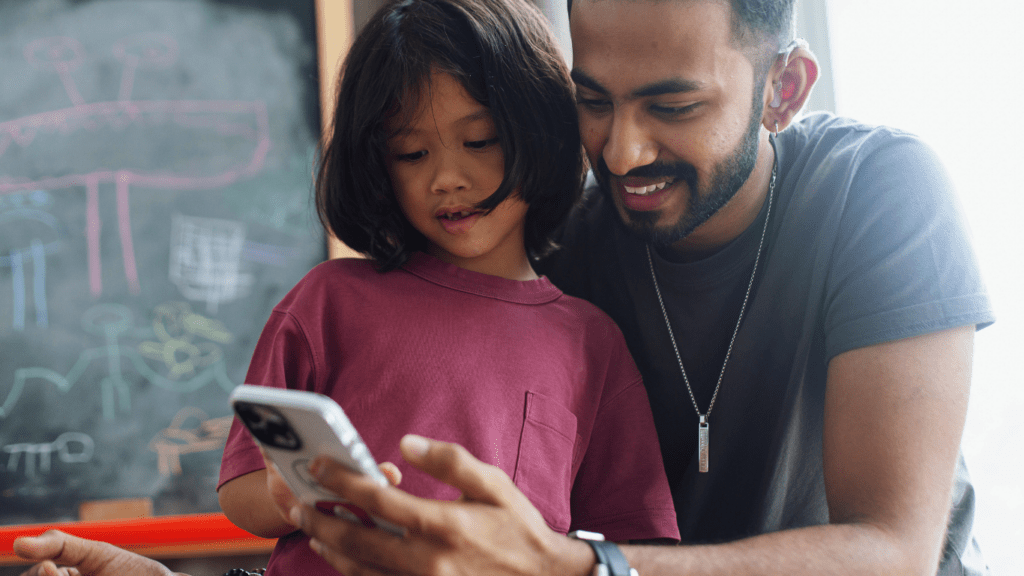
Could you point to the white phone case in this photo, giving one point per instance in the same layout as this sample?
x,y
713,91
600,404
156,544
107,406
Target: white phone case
x,y
294,427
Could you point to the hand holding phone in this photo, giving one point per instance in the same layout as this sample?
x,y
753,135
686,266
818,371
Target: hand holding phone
x,y
293,427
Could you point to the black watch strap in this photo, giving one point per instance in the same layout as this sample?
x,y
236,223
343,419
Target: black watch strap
x,y
609,555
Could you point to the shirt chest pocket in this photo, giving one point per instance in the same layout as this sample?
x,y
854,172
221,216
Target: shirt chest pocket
x,y
547,458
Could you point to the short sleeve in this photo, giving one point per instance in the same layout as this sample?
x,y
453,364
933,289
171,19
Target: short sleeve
x,y
282,359
621,489
902,264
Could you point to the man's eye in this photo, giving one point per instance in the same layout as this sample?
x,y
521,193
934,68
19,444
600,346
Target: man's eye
x,y
481,144
411,156
673,111
594,104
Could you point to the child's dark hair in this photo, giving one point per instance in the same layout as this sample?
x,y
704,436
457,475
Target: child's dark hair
x,y
505,57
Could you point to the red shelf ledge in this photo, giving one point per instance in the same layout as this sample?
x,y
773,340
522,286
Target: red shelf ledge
x,y
183,536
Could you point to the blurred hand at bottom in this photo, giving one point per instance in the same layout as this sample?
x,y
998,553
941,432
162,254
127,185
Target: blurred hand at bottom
x,y
60,554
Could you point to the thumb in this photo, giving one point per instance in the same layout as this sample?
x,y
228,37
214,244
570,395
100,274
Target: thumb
x,y
455,466
46,546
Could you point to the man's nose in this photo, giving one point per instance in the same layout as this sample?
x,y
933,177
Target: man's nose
x,y
629,145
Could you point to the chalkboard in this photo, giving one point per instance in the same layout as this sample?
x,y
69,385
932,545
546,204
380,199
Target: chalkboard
x,y
155,185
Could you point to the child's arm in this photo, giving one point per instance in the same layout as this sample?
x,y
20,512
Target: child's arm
x,y
248,503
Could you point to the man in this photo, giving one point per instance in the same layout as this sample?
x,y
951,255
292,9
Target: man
x,y
815,287
821,299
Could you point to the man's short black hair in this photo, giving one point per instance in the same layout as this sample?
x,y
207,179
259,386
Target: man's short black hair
x,y
759,22
504,55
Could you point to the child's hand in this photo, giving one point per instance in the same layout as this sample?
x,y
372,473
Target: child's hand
x,y
391,472
282,495
278,490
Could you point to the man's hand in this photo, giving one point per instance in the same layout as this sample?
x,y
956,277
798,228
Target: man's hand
x,y
60,554
492,529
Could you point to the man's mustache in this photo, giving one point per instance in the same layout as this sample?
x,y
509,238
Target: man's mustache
x,y
677,170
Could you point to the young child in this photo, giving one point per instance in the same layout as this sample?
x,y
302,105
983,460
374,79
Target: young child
x,y
454,155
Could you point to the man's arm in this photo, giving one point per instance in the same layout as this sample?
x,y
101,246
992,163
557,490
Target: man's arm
x,y
894,414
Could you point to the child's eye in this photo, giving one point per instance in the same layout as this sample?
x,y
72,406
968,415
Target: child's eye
x,y
411,156
481,144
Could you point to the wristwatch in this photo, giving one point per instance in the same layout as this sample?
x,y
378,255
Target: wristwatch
x,y
610,561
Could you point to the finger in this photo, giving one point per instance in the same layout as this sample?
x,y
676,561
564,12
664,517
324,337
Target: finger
x,y
455,466
343,564
354,550
61,548
393,474
48,568
396,506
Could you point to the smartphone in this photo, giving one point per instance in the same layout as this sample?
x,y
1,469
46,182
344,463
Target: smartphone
x,y
294,427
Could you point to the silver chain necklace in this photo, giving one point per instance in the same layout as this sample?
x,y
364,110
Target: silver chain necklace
x,y
703,432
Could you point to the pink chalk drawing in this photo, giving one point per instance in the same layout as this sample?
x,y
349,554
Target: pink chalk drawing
x,y
208,143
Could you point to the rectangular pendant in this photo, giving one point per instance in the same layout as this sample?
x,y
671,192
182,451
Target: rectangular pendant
x,y
702,443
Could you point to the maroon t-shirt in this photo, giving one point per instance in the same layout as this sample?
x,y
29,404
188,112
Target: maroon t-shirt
x,y
525,377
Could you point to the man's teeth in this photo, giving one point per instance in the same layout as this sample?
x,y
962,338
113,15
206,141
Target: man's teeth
x,y
645,190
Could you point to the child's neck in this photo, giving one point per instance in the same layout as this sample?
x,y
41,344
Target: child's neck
x,y
513,266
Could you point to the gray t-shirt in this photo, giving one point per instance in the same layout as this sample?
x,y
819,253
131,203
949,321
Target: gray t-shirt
x,y
865,245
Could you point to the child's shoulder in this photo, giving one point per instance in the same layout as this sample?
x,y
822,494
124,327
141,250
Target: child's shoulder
x,y
333,278
342,268
588,316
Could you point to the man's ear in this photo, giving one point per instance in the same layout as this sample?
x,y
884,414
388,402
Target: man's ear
x,y
789,84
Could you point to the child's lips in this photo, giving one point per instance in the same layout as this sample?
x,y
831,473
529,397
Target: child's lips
x,y
458,221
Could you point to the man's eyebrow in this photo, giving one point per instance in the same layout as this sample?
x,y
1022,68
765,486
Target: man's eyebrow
x,y
580,78
668,86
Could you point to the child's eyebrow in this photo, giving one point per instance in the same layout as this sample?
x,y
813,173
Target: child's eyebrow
x,y
482,114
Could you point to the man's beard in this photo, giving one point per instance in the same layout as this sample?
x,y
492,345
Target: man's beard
x,y
704,202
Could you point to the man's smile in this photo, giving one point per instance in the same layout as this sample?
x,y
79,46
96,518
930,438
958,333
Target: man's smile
x,y
645,190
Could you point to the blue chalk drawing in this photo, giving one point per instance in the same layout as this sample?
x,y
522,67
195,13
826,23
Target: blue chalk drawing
x,y
20,257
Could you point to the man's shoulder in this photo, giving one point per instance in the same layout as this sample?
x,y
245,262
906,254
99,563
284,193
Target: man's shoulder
x,y
838,160
823,135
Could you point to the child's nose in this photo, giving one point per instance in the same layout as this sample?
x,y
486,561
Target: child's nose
x,y
450,175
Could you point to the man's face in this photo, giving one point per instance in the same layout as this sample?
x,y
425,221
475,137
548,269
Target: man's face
x,y
668,110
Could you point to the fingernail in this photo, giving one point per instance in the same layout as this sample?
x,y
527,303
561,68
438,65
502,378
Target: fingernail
x,y
316,545
316,468
415,445
295,515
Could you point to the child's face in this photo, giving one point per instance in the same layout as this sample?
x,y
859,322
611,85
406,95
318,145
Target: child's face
x,y
444,162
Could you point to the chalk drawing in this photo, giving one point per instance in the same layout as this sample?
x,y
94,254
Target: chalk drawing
x,y
269,253
42,232
176,440
70,447
176,327
36,139
112,322
206,255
